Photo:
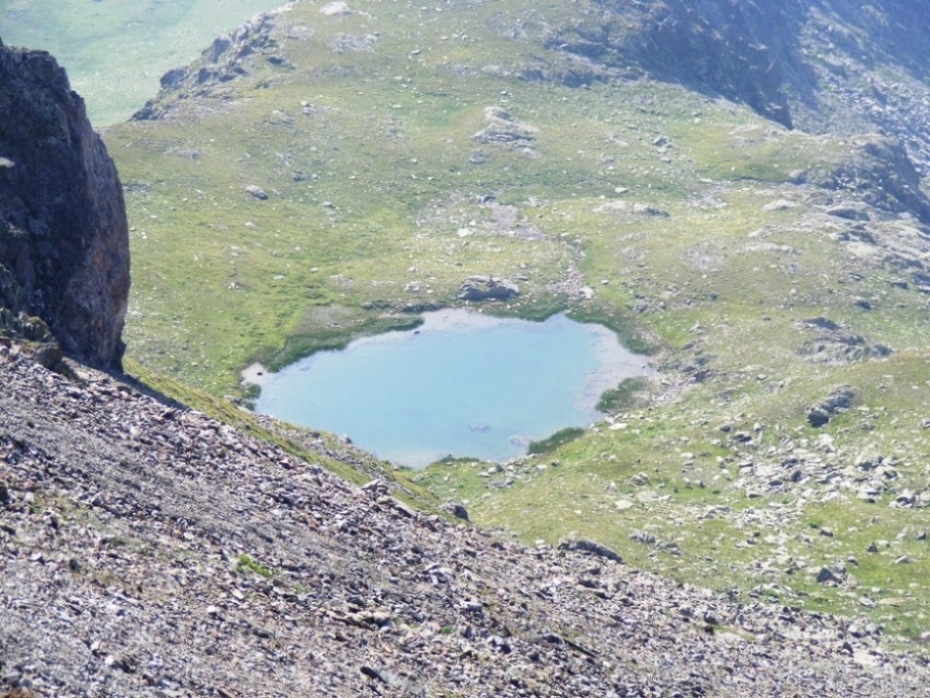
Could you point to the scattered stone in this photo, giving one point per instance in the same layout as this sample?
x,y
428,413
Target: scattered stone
x,y
631,207
643,538
235,543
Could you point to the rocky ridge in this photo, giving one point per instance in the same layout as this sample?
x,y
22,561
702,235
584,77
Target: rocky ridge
x,y
64,245
823,66
226,60
150,550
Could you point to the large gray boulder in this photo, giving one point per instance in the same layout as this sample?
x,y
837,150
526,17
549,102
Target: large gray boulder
x,y
64,242
483,288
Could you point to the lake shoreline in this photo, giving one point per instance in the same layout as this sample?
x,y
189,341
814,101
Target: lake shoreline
x,y
416,396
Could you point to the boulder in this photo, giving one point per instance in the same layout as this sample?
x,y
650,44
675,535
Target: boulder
x,y
64,242
503,129
257,192
854,211
482,288
832,576
591,548
838,400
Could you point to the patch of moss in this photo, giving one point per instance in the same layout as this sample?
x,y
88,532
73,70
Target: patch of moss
x,y
246,563
556,441
622,396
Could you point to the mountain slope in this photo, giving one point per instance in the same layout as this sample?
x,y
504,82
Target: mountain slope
x,y
827,66
334,169
149,550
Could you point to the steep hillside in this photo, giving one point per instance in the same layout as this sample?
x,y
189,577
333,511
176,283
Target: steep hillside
x,y
334,169
826,66
150,551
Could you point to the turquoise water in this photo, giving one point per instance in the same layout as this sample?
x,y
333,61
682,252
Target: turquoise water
x,y
462,384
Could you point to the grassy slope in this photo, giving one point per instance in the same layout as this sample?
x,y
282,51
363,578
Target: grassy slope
x,y
221,278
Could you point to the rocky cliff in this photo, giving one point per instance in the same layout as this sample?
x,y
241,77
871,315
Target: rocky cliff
x,y
64,247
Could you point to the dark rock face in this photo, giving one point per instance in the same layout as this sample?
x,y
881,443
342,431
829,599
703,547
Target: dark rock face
x,y
64,243
718,47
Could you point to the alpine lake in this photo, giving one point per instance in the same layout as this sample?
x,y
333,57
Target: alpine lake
x,y
462,384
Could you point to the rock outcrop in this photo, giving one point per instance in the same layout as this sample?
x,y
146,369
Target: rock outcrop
x,y
504,130
229,58
840,399
64,244
878,173
483,288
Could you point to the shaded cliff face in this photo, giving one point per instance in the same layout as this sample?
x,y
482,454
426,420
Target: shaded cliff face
x,y
715,46
64,246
